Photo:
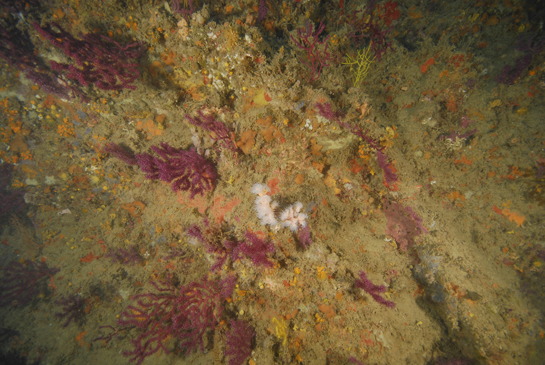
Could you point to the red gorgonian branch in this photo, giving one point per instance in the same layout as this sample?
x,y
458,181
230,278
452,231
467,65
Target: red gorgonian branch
x,y
316,58
98,60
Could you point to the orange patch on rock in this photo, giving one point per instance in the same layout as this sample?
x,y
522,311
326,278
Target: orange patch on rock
x,y
198,201
329,181
327,310
273,185
463,160
318,327
28,170
247,141
79,338
354,166
318,166
270,27
81,182
160,118
149,127
195,95
315,148
74,169
428,63
90,257
18,144
59,14
168,58
451,104
15,126
512,216
264,122
455,195
291,315
155,68
132,209
271,133
219,211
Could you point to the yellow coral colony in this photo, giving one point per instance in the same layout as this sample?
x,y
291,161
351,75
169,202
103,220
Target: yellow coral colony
x,y
359,65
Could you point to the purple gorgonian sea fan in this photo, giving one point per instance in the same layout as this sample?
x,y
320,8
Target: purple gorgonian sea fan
x,y
238,346
124,154
186,315
20,283
373,290
316,54
390,176
219,131
17,50
185,169
253,248
99,60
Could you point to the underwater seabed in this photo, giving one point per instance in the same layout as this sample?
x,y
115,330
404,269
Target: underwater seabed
x,y
271,182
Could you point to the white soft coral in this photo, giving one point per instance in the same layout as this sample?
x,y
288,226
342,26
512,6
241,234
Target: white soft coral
x,y
264,210
260,189
293,218
264,206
